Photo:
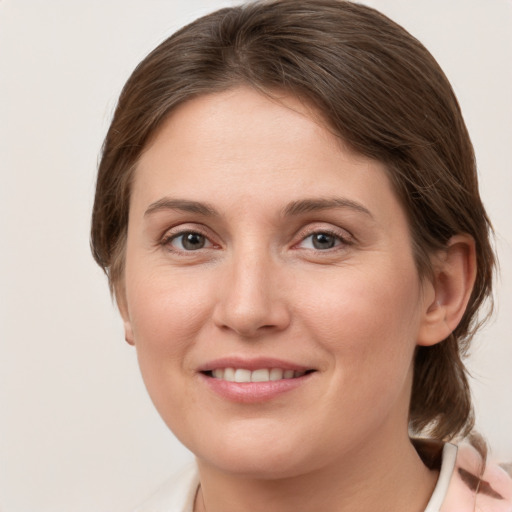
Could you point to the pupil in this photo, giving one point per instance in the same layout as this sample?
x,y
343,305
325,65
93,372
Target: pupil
x,y
323,241
192,241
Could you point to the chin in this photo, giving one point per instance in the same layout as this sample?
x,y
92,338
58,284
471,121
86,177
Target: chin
x,y
262,453
264,466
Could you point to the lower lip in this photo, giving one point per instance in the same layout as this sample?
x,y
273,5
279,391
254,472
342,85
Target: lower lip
x,y
253,392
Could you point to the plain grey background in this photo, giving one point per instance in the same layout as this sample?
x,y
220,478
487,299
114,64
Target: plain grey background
x,y
77,430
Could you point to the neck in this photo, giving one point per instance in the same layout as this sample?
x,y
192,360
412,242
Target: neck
x,y
383,476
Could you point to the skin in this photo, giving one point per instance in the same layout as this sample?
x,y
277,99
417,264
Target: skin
x,y
259,287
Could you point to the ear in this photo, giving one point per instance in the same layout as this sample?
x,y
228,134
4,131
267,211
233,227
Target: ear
x,y
447,295
120,296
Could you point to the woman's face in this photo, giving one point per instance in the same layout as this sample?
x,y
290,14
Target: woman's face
x,y
260,249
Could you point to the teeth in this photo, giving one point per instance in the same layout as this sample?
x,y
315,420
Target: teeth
x,y
229,374
259,375
276,374
242,375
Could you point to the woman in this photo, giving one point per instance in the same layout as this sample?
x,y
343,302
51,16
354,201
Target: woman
x,y
288,213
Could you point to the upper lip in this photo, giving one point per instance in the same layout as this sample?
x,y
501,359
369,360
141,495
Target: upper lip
x,y
251,364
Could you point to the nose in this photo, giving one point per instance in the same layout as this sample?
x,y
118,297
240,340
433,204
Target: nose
x,y
252,299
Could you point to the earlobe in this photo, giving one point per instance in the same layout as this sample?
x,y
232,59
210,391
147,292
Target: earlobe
x,y
128,333
120,297
448,293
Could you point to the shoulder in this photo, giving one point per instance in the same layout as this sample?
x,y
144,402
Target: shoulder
x,y
175,495
470,489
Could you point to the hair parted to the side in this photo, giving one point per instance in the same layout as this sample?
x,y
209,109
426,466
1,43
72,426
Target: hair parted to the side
x,y
376,87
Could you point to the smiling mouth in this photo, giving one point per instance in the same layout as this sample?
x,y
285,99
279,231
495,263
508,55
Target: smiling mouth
x,y
258,375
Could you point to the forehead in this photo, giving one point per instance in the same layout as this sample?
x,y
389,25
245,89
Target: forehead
x,y
240,120
240,145
241,123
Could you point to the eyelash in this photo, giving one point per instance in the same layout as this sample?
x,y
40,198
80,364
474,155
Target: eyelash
x,y
340,240
170,237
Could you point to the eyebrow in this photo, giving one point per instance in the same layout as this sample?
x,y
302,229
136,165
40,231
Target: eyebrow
x,y
314,205
183,205
292,209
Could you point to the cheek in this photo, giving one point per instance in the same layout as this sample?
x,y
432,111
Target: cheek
x,y
166,314
369,317
165,309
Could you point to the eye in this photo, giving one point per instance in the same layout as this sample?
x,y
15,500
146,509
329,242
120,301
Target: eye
x,y
321,241
188,241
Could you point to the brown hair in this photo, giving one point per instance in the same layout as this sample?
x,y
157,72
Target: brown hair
x,y
376,87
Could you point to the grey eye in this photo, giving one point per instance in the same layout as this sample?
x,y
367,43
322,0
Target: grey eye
x,y
189,241
323,241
